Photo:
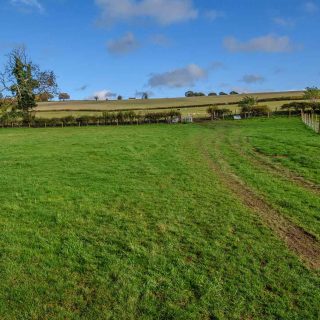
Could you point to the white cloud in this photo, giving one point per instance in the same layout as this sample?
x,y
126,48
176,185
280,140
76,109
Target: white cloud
x,y
268,43
178,78
252,78
283,22
279,70
123,45
164,12
311,7
214,14
216,65
82,88
160,40
28,5
103,95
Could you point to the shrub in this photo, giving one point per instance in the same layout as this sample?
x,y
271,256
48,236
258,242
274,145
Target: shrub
x,y
84,119
298,106
260,110
248,103
216,112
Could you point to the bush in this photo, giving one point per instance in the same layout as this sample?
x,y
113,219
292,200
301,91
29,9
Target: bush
x,y
248,103
84,120
298,106
260,110
68,120
216,112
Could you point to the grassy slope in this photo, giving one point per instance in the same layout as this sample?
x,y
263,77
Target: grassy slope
x,y
197,112
55,109
283,141
130,222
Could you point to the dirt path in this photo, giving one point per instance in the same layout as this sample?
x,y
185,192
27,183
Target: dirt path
x,y
296,238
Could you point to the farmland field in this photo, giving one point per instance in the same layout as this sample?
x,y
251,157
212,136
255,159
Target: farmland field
x,y
194,105
203,221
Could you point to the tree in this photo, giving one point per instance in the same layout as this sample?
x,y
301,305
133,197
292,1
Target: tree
x,y
215,112
189,94
24,80
233,93
211,94
96,98
313,95
119,98
145,96
44,97
260,110
222,93
64,96
248,103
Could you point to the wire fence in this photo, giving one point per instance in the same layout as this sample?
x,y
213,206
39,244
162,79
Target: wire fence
x,y
312,120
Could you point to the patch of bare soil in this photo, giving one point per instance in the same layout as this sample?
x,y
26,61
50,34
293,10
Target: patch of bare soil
x,y
296,238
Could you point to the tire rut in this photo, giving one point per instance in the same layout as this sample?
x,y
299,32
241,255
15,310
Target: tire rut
x,y
279,171
304,244
284,172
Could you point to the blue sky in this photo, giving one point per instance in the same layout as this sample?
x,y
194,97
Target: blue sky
x,y
167,47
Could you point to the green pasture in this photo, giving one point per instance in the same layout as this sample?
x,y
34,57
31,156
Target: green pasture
x,y
132,222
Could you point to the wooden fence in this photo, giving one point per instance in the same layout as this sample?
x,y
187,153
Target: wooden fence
x,y
312,120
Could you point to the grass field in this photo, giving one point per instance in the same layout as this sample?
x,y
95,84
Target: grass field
x,y
204,221
187,105
196,112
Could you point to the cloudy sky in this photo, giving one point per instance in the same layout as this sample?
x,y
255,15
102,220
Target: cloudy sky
x,y
167,47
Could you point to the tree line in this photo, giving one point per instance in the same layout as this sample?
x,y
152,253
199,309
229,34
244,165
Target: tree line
x,y
190,93
249,106
13,119
23,84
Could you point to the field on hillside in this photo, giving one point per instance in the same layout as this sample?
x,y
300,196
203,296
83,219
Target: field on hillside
x,y
203,221
196,112
195,105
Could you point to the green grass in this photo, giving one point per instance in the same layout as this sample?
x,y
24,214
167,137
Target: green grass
x,y
132,223
285,142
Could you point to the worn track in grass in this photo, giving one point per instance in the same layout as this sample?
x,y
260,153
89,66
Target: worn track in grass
x,y
263,161
296,238
279,171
